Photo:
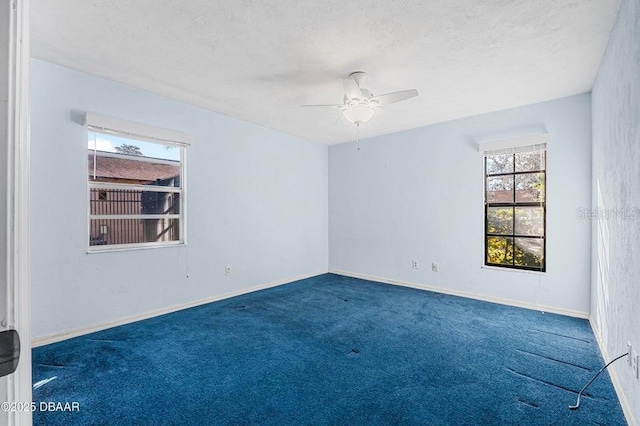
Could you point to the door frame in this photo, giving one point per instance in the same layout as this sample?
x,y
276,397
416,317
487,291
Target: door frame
x,y
18,317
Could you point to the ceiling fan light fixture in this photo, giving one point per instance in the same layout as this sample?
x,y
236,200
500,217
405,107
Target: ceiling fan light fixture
x,y
358,114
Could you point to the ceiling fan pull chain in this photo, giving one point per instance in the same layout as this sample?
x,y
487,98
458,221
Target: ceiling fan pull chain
x,y
358,136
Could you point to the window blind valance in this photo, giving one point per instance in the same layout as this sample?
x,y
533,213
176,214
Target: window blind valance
x,y
103,124
513,145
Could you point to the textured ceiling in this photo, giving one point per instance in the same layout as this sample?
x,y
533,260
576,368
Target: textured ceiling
x,y
260,60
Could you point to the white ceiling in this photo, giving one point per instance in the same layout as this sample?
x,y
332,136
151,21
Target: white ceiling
x,y
260,60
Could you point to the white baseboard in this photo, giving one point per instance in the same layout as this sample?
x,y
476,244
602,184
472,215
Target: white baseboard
x,y
53,338
567,312
626,409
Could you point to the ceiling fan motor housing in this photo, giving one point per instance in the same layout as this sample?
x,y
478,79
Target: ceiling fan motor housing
x,y
359,76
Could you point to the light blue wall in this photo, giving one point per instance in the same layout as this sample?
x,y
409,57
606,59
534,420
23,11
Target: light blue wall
x,y
257,201
615,300
418,194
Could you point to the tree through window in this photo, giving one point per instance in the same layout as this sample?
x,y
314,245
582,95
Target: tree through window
x,y
515,209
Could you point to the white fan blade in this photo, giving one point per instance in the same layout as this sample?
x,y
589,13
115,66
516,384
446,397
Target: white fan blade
x,y
351,89
392,98
322,106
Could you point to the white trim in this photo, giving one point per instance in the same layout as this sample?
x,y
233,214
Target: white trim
x,y
17,205
624,403
58,337
142,158
522,271
136,246
133,187
514,143
499,300
183,195
116,126
133,216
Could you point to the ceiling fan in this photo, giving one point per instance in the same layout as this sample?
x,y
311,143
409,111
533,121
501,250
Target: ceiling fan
x,y
359,104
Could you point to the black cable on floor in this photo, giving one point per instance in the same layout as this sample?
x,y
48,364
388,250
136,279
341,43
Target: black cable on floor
x,y
574,407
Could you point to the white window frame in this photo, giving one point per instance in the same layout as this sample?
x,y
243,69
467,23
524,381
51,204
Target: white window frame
x,y
114,126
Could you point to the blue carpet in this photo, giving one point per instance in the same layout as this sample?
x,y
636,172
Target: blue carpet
x,y
331,350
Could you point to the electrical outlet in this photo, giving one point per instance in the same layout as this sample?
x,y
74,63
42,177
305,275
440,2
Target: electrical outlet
x,y
435,267
630,352
227,270
414,264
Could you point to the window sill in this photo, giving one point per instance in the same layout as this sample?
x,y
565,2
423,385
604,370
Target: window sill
x,y
522,271
132,248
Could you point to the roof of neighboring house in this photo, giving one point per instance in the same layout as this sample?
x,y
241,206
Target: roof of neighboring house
x,y
128,167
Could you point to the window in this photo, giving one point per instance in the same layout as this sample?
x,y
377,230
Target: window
x,y
136,191
515,208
